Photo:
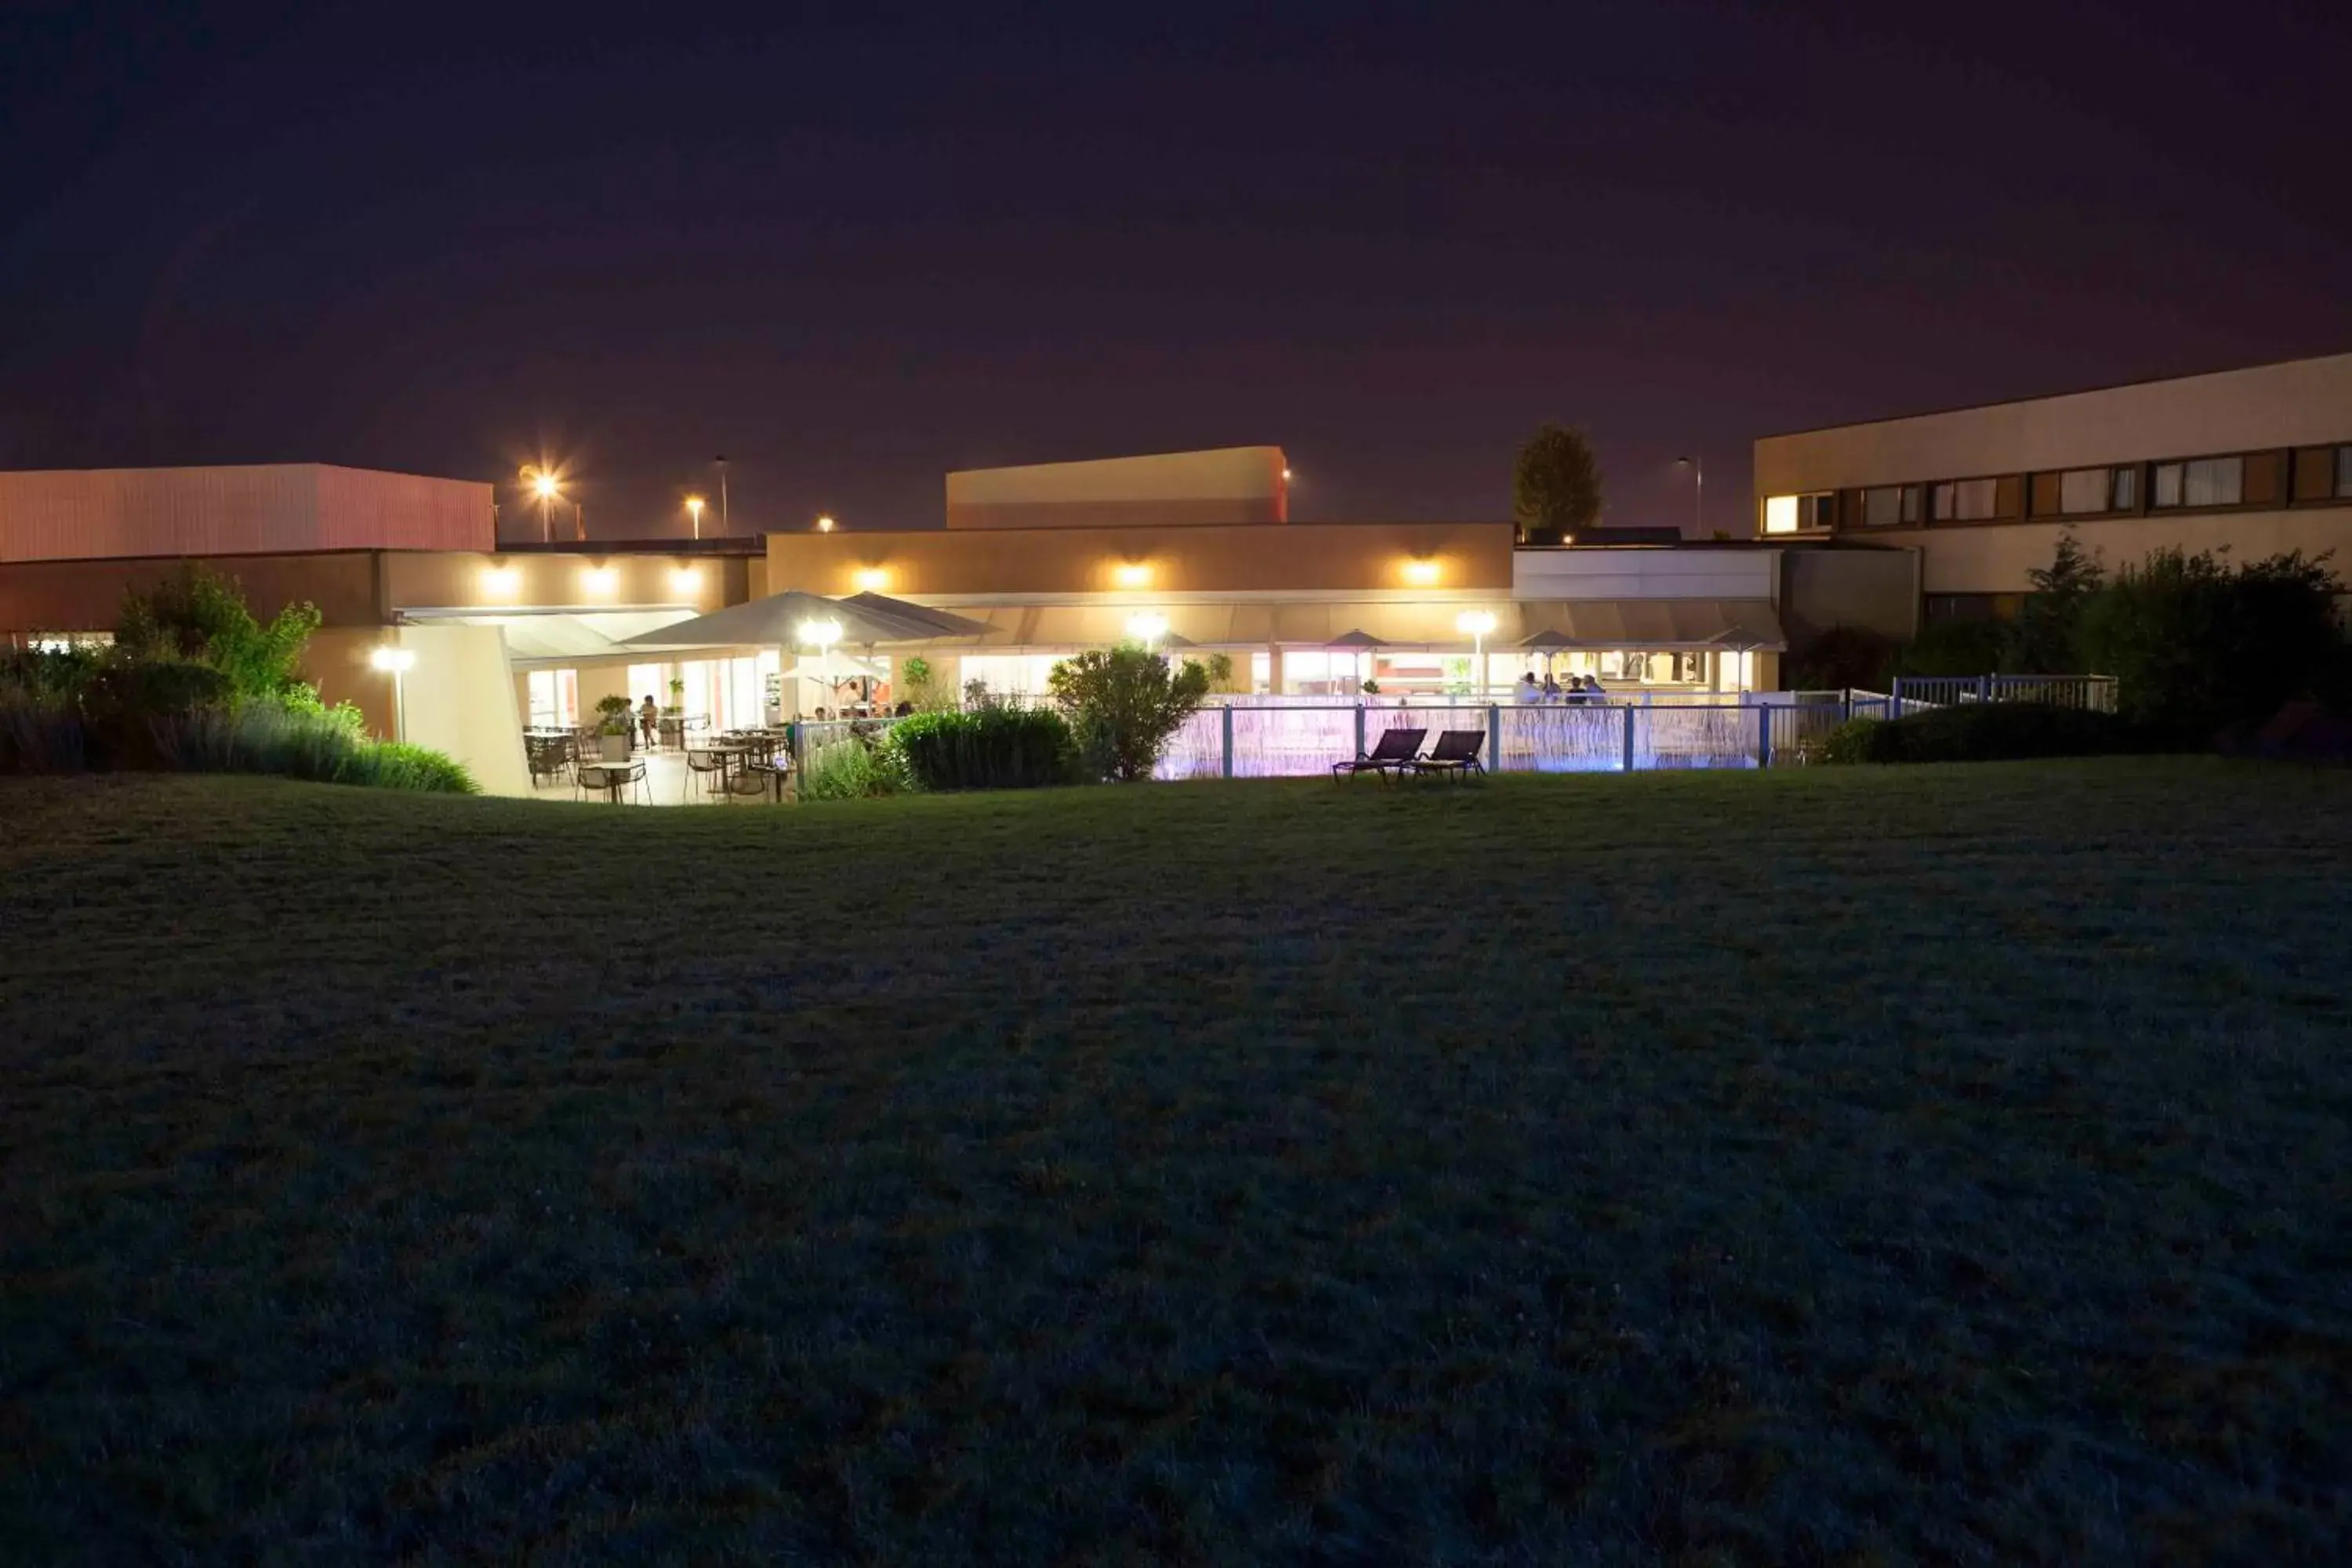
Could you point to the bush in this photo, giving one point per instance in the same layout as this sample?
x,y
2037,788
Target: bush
x,y
1841,656
1954,647
197,616
135,689
1985,732
41,735
2195,647
317,747
856,768
992,748
1124,703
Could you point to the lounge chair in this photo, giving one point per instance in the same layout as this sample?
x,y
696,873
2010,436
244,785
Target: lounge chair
x,y
1394,750
1456,752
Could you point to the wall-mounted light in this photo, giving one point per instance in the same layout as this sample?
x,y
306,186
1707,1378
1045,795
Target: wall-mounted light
x,y
599,579
1421,571
500,580
392,660
871,579
1147,630
1285,475
684,579
1132,574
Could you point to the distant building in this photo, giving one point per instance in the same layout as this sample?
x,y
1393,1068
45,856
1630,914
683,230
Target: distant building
x,y
2256,461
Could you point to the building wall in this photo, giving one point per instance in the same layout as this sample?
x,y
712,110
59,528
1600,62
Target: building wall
x,y
1872,590
1231,485
2282,422
1176,559
86,596
85,513
446,580
461,703
1641,572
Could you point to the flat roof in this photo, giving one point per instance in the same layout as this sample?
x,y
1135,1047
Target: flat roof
x,y
2049,396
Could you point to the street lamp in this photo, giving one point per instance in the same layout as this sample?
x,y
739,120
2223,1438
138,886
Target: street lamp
x,y
1478,623
694,510
541,482
824,634
1698,494
395,662
825,525
1147,630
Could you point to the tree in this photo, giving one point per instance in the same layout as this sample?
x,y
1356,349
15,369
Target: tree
x,y
198,616
2046,638
1557,491
1124,702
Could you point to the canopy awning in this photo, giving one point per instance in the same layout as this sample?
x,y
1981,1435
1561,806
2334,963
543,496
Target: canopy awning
x,y
777,621
1661,626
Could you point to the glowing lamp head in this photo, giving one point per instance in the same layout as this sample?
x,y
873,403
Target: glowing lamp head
x,y
694,505
1475,623
684,579
392,660
824,633
825,525
600,579
500,580
1147,630
543,485
871,579
1132,573
1421,571
1285,475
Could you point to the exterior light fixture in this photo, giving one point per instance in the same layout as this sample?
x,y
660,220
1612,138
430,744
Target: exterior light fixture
x,y
1478,623
694,510
824,634
825,525
541,482
684,579
502,580
1421,571
871,579
1285,475
395,662
1147,630
599,579
1132,573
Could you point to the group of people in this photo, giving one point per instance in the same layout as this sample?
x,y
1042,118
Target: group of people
x,y
1580,689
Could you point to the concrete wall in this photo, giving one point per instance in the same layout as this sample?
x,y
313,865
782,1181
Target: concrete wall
x,y
444,580
1231,485
1643,573
1874,590
1200,559
71,514
86,596
460,700
2307,403
1995,558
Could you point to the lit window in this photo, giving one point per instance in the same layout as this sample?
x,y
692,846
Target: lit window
x,y
1798,514
2207,481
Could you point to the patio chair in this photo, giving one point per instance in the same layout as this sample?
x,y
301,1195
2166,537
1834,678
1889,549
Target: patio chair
x,y
709,764
1456,752
1394,750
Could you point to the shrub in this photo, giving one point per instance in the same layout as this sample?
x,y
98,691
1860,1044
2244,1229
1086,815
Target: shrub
x,y
1985,732
1124,703
197,616
856,768
318,747
1954,647
2195,647
1840,657
41,735
992,748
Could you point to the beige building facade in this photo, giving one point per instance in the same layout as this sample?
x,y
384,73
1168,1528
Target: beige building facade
x,y
2254,461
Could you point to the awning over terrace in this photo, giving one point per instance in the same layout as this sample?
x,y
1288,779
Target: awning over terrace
x,y
550,636
776,622
1652,625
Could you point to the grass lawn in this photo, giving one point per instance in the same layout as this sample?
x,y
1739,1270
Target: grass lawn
x,y
1853,1166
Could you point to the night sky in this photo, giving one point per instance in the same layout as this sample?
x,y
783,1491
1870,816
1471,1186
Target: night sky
x,y
856,251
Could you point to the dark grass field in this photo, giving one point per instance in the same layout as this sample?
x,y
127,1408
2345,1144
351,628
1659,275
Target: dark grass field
x,y
1844,1166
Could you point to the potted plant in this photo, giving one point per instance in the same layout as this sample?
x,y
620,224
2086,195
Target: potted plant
x,y
673,718
612,728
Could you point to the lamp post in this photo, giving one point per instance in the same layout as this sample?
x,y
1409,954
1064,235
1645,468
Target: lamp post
x,y
396,662
694,510
1698,494
824,634
721,461
542,484
1478,623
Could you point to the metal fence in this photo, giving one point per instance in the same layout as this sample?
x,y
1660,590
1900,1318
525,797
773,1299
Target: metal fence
x,y
2095,692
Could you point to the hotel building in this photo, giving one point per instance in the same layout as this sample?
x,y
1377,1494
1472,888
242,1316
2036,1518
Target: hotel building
x,y
2253,461
1052,559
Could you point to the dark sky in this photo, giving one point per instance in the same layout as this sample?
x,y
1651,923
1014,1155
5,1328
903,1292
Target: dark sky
x,y
856,246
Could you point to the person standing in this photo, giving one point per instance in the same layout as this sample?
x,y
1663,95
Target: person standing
x,y
648,719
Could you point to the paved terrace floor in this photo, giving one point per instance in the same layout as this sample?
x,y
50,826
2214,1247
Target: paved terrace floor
x,y
667,782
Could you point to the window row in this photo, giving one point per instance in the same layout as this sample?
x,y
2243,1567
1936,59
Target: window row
x,y
2312,474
